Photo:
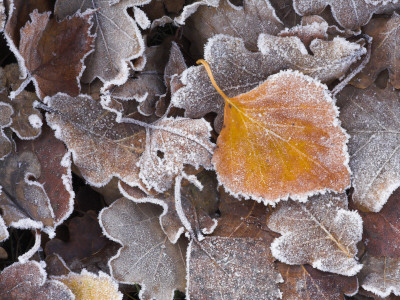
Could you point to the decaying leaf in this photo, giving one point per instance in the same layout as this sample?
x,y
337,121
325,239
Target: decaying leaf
x,y
89,286
349,13
53,52
305,282
101,148
55,176
3,16
199,206
384,54
371,117
239,268
147,257
321,232
6,112
179,141
381,275
246,22
282,139
237,70
29,281
3,230
190,9
118,38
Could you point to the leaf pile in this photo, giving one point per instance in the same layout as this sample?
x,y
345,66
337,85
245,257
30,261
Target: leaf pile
x,y
268,170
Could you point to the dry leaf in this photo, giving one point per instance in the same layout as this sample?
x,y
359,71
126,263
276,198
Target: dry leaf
x,y
237,70
321,232
371,117
282,139
199,206
3,230
384,54
53,52
118,38
381,275
190,9
3,16
28,281
305,282
246,22
89,286
6,112
147,257
231,268
101,148
176,142
349,13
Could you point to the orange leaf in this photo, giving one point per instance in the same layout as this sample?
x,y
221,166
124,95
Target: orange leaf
x,y
281,139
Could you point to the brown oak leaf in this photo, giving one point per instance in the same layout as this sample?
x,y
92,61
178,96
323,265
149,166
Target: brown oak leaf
x,y
384,54
371,116
321,232
118,38
53,52
29,281
147,256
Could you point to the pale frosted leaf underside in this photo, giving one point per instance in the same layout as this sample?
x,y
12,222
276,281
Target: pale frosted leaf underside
x,y
232,268
238,70
3,230
351,14
6,112
372,118
29,281
118,39
282,139
321,232
179,141
147,257
101,148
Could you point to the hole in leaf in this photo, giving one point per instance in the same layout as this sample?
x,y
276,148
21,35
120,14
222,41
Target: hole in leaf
x,y
160,154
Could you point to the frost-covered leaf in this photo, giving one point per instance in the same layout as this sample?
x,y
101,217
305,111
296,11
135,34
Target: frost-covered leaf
x,y
147,257
349,13
238,70
23,200
118,38
3,230
305,282
89,286
384,53
282,139
5,120
3,16
321,232
380,275
55,175
177,142
101,148
29,281
191,8
231,268
245,22
53,52
371,117
199,206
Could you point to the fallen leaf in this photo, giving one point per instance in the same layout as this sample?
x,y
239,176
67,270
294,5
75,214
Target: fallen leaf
x,y
386,34
176,142
348,13
53,52
305,282
89,286
321,232
191,8
147,257
118,38
3,16
238,70
199,206
282,139
55,176
3,230
6,112
381,275
101,148
29,281
245,22
371,116
159,8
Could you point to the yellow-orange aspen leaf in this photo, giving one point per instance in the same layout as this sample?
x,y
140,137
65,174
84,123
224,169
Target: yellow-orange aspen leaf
x,y
282,139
